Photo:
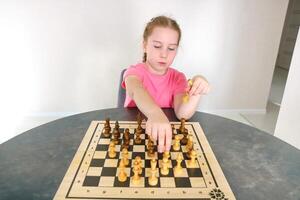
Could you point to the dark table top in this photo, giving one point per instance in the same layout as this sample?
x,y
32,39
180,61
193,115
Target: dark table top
x,y
257,165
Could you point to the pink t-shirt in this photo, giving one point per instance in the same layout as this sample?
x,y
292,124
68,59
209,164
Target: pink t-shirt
x,y
162,88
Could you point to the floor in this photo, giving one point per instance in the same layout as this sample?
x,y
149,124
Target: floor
x,y
265,122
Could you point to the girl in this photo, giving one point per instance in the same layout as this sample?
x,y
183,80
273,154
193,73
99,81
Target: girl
x,y
153,84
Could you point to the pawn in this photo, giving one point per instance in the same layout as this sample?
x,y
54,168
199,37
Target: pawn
x,y
112,150
178,168
138,139
138,161
116,136
125,156
107,128
176,145
122,176
165,166
153,180
136,178
192,161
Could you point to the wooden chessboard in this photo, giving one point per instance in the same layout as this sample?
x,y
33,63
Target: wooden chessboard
x,y
93,175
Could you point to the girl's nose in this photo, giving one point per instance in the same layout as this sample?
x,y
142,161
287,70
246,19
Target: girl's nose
x,y
163,53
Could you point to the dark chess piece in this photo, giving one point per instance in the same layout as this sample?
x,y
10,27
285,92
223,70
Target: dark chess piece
x,y
173,131
138,139
184,140
126,139
107,128
117,126
116,134
182,126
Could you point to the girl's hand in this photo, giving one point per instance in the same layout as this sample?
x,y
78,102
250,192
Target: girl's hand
x,y
200,86
159,128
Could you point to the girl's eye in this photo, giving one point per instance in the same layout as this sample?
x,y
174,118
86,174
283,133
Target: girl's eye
x,y
171,49
157,47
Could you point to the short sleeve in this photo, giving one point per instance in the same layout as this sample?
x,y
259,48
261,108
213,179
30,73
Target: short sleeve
x,y
133,70
180,83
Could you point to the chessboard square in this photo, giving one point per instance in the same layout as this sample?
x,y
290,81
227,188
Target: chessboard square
x,y
148,172
106,181
197,182
196,165
149,158
117,183
121,130
169,163
102,147
139,148
94,171
109,171
141,182
118,147
182,182
147,185
170,173
99,154
104,141
91,181
97,163
167,182
183,173
127,171
117,156
194,172
174,155
141,154
129,155
111,163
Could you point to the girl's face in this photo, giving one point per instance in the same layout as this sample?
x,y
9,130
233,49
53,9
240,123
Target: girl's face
x,y
161,48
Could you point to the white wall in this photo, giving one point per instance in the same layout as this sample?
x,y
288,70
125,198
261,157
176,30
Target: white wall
x,y
287,126
65,56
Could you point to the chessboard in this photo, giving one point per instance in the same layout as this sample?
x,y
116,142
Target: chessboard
x,y
117,160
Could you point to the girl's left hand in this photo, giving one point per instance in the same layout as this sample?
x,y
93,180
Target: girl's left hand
x,y
200,86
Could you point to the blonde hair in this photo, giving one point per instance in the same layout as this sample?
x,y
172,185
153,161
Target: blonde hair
x,y
160,21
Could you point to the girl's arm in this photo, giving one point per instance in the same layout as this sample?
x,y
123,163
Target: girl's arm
x,y
199,88
157,125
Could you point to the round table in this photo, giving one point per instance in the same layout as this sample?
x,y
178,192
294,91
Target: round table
x,y
256,165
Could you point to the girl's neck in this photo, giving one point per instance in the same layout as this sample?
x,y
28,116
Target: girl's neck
x,y
153,71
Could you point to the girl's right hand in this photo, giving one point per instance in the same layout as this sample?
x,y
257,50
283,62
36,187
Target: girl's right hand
x,y
159,128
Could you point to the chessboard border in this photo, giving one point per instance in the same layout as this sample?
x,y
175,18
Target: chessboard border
x,y
85,145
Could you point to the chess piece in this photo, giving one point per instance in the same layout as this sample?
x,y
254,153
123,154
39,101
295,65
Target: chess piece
x,y
136,178
138,139
176,145
125,156
117,126
192,161
122,176
173,131
126,139
178,168
139,119
107,128
182,125
189,146
116,133
138,160
112,150
164,166
184,140
153,180
186,96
